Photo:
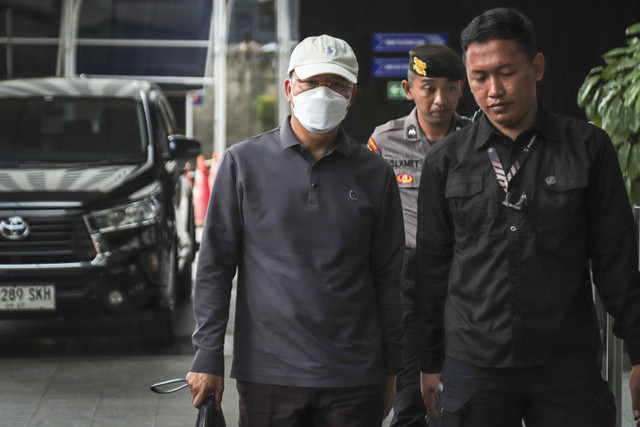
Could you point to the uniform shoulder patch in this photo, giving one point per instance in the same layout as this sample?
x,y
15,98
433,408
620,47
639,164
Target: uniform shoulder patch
x,y
371,145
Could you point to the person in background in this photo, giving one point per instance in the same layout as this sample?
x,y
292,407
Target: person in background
x,y
434,83
312,222
517,214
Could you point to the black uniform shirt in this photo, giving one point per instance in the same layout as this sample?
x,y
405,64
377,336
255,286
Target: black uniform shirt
x,y
502,287
318,247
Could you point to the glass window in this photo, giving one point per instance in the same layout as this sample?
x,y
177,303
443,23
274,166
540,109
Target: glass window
x,y
145,19
140,61
117,20
252,20
28,61
161,124
106,130
29,19
105,31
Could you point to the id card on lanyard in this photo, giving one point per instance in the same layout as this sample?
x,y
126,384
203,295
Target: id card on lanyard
x,y
505,178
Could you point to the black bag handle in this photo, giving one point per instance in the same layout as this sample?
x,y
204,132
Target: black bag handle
x,y
208,415
157,387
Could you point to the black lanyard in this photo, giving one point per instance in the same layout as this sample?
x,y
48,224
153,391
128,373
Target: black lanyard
x,y
505,178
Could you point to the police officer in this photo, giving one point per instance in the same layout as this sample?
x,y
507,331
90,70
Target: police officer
x,y
434,83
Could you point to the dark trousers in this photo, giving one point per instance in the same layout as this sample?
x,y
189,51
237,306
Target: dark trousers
x,y
562,395
264,405
408,407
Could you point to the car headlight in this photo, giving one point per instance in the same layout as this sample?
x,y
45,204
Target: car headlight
x,y
131,215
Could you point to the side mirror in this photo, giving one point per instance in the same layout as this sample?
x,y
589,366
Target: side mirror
x,y
182,147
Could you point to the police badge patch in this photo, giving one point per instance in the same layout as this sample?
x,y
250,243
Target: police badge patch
x,y
419,67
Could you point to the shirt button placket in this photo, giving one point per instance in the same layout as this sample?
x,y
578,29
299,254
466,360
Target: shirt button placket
x,y
313,186
515,291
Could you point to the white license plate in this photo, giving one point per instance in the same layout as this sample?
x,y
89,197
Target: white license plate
x,y
28,297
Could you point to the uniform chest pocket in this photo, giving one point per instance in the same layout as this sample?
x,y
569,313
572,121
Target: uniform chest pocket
x,y
561,193
467,201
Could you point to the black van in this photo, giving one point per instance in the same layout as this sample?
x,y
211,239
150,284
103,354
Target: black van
x,y
96,209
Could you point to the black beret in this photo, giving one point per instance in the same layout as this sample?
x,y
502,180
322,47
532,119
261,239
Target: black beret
x,y
436,60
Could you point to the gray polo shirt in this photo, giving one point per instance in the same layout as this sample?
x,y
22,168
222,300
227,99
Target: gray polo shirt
x,y
318,248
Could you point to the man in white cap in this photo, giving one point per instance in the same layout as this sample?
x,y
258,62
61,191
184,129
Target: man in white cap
x,y
313,223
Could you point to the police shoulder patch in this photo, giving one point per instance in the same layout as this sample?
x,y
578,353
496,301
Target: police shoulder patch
x,y
371,145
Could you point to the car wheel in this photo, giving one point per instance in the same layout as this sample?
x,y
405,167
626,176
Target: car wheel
x,y
185,281
185,275
158,329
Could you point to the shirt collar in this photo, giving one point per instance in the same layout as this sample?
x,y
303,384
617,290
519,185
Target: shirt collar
x,y
288,139
457,123
545,125
413,131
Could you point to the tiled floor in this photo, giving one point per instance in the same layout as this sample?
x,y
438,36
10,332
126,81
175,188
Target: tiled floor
x,y
68,374
96,392
83,388
110,391
87,381
113,390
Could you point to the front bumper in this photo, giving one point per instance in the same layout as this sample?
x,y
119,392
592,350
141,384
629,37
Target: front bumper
x,y
127,279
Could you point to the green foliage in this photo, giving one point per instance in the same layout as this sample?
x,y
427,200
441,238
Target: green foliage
x,y
266,111
610,97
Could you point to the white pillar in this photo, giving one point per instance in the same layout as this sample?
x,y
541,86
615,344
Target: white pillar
x,y
66,65
283,28
221,14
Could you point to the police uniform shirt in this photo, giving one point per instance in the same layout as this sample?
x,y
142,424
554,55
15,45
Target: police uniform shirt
x,y
402,143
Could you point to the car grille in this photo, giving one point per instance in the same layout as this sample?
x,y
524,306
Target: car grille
x,y
56,236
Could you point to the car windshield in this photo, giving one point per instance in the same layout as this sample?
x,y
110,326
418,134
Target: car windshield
x,y
72,130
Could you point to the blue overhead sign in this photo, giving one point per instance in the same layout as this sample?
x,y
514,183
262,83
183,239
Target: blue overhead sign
x,y
403,42
390,67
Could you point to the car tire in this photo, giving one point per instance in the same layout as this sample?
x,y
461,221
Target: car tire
x,y
185,282
158,329
185,276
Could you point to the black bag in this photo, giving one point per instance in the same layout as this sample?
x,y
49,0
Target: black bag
x,y
208,416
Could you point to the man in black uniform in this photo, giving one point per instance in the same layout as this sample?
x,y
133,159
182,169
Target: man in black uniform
x,y
517,213
434,83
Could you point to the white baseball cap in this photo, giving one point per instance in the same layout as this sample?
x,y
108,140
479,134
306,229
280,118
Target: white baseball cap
x,y
324,55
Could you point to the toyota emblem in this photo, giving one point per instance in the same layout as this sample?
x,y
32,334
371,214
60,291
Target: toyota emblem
x,y
14,228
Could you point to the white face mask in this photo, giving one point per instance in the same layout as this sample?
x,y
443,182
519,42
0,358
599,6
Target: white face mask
x,y
320,110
